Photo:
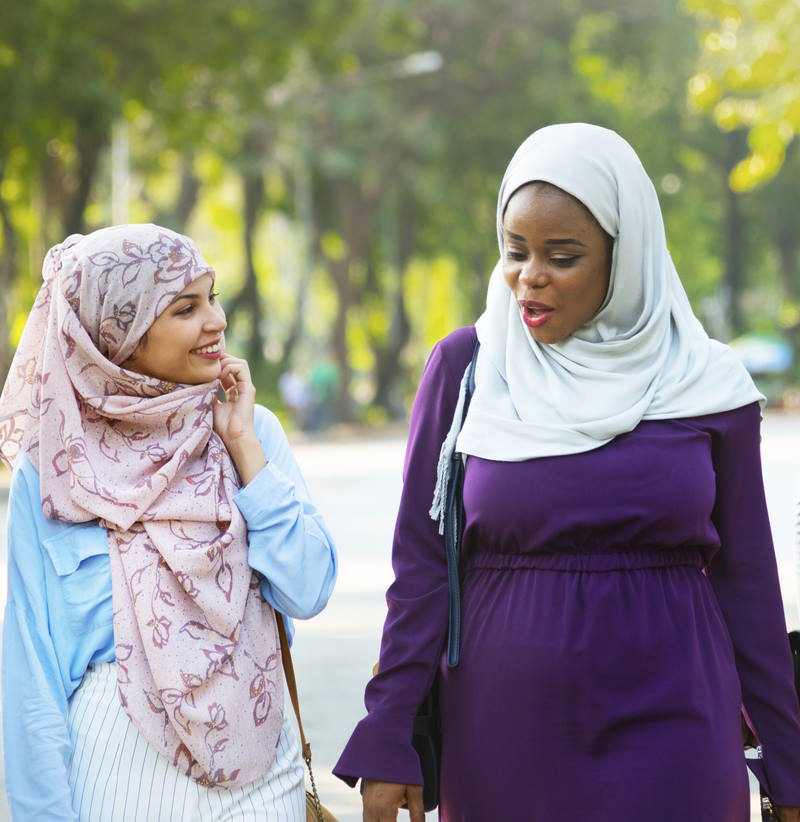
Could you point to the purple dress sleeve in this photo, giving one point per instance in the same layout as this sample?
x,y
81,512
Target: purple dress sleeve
x,y
414,632
744,576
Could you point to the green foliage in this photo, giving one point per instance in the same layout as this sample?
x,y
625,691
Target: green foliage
x,y
749,77
357,197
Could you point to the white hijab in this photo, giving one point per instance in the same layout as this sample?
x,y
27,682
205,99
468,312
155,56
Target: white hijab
x,y
643,356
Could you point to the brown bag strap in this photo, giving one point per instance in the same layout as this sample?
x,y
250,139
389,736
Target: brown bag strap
x,y
291,682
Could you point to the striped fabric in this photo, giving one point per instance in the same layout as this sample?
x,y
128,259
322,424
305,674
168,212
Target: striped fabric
x,y
115,774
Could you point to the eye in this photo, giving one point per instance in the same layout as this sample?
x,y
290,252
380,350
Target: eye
x,y
212,297
185,312
565,262
515,255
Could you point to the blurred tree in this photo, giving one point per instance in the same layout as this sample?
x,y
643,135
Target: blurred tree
x,y
749,77
348,199
195,74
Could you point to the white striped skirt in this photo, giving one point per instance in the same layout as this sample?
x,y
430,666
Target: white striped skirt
x,y
116,775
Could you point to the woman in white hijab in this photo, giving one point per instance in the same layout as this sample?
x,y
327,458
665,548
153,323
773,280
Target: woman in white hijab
x,y
620,598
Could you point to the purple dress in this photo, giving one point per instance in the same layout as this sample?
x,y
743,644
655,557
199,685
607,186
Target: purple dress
x,y
619,607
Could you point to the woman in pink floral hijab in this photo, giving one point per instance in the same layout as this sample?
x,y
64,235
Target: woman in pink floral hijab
x,y
111,401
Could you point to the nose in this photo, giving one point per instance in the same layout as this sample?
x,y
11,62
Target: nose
x,y
534,274
216,320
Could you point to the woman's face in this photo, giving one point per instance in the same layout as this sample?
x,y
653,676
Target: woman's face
x,y
556,260
185,343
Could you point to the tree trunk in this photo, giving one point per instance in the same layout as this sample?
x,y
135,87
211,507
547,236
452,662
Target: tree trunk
x,y
253,199
178,216
340,274
354,213
89,147
305,213
8,270
389,372
734,238
248,300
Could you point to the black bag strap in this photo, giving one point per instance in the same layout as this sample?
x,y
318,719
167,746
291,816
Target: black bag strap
x,y
453,528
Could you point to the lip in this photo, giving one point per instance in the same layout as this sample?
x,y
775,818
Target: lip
x,y
210,355
535,314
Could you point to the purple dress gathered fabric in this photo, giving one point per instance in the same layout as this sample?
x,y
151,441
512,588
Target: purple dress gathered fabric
x,y
619,606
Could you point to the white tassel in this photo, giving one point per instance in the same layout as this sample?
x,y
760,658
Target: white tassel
x,y
439,504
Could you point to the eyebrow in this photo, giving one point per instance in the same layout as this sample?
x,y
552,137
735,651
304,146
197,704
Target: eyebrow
x,y
564,241
555,241
190,296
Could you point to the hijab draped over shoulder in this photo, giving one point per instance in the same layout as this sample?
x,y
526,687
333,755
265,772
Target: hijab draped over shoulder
x,y
644,355
197,656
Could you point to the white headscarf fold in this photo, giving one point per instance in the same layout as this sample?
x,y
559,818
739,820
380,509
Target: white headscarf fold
x,y
644,356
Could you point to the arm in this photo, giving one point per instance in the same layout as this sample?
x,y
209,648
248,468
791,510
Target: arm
x,y
413,634
36,740
289,545
744,576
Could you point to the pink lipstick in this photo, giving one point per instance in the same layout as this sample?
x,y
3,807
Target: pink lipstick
x,y
535,314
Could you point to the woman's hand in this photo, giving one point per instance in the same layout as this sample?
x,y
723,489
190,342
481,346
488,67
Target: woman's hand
x,y
234,419
382,800
788,814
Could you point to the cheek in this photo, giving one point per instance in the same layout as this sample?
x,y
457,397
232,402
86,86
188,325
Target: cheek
x,y
601,287
510,276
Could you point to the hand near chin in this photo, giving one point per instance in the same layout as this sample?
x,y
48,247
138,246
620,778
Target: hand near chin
x,y
234,418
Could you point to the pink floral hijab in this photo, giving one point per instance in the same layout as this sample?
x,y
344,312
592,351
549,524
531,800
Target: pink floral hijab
x,y
198,658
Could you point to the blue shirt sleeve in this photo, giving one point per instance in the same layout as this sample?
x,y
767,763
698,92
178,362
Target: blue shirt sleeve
x,y
290,547
36,741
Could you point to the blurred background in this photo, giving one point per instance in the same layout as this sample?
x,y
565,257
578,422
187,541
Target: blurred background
x,y
338,163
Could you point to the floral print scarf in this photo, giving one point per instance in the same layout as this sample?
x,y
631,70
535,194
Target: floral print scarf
x,y
198,657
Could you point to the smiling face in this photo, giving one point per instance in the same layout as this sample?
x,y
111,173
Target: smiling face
x,y
556,260
185,343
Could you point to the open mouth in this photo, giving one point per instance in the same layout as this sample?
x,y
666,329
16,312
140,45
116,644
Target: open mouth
x,y
534,314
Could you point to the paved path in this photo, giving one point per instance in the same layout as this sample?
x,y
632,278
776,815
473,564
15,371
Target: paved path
x,y
357,484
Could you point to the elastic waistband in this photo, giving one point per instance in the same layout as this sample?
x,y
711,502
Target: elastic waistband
x,y
597,562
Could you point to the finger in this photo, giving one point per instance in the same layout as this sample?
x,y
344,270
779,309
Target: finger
x,y
416,808
226,380
237,373
233,361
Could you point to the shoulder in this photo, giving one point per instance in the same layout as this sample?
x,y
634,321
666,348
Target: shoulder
x,y
458,345
737,428
24,480
33,519
268,426
441,377
742,420
453,352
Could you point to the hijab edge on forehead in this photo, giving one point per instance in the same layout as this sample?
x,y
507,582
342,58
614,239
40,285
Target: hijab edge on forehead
x,y
670,370
561,186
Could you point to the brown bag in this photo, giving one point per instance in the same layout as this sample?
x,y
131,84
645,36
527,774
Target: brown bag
x,y
315,810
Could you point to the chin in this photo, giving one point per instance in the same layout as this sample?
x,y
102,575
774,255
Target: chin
x,y
546,338
199,377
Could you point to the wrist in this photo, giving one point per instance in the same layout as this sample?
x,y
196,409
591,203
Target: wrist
x,y
242,443
247,455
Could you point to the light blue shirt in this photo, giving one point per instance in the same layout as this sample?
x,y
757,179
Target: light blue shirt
x,y
58,616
